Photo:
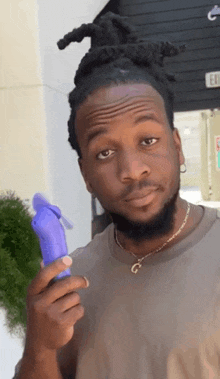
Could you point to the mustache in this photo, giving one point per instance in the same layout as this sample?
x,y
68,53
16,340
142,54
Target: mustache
x,y
140,186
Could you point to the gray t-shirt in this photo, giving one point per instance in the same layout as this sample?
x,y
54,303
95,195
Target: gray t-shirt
x,y
161,323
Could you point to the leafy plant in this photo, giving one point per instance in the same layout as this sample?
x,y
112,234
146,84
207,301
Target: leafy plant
x,y
20,258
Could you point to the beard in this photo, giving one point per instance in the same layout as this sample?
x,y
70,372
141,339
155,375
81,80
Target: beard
x,y
160,225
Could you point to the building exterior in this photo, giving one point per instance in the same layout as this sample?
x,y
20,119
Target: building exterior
x,y
182,23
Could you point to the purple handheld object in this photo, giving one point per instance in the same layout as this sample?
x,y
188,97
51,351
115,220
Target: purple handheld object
x,y
50,232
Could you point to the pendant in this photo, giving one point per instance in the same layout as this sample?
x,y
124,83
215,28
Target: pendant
x,y
136,267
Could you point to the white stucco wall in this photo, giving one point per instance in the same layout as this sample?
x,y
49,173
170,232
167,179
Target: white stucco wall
x,y
35,156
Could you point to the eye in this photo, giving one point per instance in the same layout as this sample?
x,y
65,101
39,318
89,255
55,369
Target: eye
x,y
106,151
102,152
151,139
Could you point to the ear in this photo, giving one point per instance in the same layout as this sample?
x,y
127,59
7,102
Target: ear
x,y
83,172
178,145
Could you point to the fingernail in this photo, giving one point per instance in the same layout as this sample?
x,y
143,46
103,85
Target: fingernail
x,y
87,282
42,264
67,260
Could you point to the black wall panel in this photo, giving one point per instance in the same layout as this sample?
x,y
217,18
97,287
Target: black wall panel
x,y
182,22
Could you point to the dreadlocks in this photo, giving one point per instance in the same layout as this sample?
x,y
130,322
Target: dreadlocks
x,y
117,56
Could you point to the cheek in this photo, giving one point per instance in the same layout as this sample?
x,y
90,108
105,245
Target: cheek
x,y
166,165
162,161
171,170
101,178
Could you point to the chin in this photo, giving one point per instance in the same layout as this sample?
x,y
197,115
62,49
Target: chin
x,y
143,212
140,215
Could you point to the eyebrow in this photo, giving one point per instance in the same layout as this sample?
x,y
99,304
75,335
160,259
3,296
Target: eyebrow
x,y
104,130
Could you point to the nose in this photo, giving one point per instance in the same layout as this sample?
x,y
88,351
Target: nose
x,y
133,166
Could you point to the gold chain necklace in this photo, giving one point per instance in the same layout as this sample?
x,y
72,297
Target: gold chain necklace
x,y
136,266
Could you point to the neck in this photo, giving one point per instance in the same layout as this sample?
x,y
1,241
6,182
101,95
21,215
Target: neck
x,y
140,249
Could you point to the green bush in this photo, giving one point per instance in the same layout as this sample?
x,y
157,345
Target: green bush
x,y
20,258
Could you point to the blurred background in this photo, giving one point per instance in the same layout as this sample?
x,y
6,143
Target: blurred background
x,y
36,77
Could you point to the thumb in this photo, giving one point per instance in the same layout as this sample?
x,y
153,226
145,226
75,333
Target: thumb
x,y
42,264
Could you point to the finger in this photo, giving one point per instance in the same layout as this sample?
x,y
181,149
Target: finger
x,y
45,275
66,302
72,315
64,286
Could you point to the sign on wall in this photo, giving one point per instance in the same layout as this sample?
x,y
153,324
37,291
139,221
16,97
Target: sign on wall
x,y
212,79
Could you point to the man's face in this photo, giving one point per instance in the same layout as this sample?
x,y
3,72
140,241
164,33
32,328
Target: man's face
x,y
136,151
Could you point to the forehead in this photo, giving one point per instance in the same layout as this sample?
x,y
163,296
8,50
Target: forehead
x,y
112,104
111,95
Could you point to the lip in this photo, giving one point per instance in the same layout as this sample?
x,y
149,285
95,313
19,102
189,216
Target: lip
x,y
140,194
142,201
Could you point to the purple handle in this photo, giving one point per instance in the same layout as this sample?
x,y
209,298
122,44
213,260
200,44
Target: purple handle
x,y
51,237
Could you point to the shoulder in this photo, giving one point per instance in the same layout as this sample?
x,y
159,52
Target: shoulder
x,y
209,212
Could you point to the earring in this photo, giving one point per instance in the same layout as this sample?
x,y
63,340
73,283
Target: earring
x,y
182,172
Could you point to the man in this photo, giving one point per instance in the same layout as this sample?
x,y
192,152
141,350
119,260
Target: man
x,y
151,307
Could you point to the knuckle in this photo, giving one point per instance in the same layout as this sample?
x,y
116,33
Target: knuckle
x,y
76,297
74,281
80,310
71,281
65,285
71,284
